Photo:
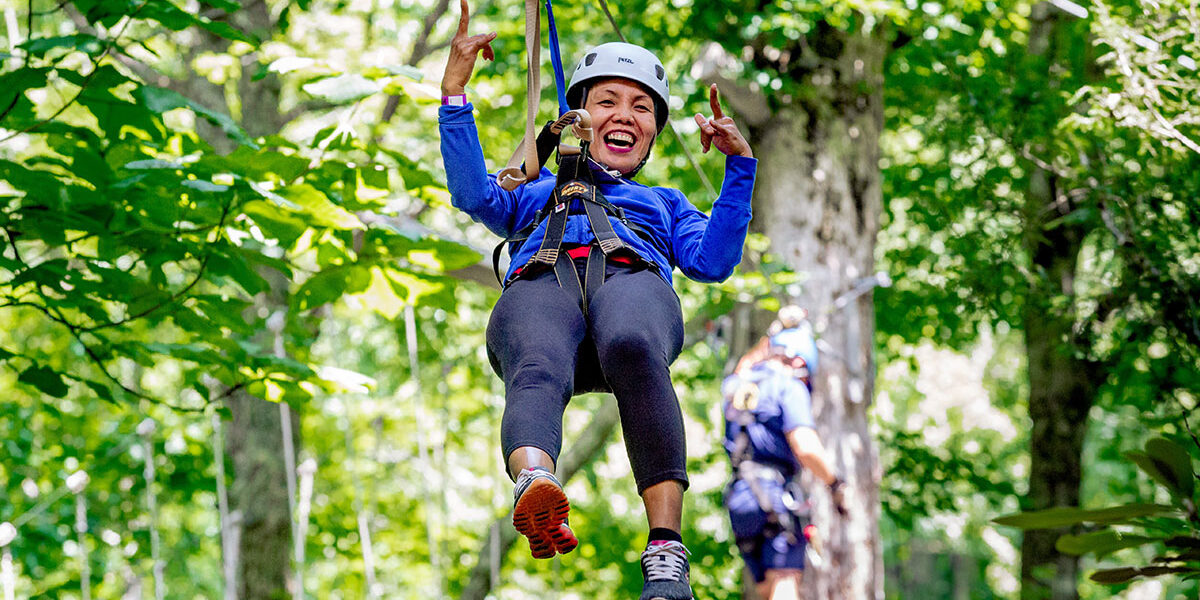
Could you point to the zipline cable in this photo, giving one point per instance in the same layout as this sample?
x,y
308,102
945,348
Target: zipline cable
x,y
512,175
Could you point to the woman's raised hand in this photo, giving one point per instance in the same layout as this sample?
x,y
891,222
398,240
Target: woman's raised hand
x,y
720,130
464,50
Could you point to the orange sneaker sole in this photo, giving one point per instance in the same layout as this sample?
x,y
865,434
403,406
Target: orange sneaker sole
x,y
539,515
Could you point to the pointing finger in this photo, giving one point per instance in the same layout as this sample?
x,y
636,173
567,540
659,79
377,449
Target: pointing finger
x,y
713,101
465,19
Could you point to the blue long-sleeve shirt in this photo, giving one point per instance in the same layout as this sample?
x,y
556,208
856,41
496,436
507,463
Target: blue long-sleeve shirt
x,y
704,248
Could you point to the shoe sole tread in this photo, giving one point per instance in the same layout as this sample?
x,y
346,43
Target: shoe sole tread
x,y
539,516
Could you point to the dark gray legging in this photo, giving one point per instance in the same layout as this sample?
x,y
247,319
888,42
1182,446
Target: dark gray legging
x,y
537,337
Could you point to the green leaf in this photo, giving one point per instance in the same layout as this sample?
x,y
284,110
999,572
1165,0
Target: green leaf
x,y
1180,541
343,88
168,14
442,255
418,91
196,353
381,296
47,380
415,175
1064,516
288,64
317,205
1125,574
335,137
1100,543
1175,464
346,380
274,223
102,391
227,31
322,288
408,71
161,100
153,164
82,42
5,354
234,267
1158,470
204,186
257,164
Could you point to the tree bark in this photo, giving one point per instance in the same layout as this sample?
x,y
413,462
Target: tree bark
x,y
258,494
818,199
1062,385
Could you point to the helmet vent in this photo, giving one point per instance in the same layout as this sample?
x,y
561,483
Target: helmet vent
x,y
591,58
658,70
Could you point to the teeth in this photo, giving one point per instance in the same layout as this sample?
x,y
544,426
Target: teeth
x,y
619,137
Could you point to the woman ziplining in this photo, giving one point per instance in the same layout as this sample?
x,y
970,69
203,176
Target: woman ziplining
x,y
588,303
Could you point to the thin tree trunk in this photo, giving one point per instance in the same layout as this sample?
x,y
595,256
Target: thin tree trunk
x,y
1061,385
818,200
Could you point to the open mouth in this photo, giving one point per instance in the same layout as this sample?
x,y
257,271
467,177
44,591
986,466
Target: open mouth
x,y
619,141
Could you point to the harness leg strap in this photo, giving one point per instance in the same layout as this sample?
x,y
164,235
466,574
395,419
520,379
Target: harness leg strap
x,y
593,275
568,280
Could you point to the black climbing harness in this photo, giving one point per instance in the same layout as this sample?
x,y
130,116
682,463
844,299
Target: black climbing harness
x,y
794,518
575,186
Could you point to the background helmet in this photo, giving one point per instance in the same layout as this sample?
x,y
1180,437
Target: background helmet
x,y
792,343
619,59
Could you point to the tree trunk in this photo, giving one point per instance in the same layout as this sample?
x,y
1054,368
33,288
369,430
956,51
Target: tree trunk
x,y
258,495
818,200
1061,385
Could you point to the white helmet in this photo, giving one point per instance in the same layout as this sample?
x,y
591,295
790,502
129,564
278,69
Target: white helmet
x,y
619,59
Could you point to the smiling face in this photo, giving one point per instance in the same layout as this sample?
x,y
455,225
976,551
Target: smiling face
x,y
623,118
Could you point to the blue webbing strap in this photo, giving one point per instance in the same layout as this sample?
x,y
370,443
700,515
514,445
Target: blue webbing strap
x,y
556,60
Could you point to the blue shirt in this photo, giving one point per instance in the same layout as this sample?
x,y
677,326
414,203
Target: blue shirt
x,y
704,248
783,404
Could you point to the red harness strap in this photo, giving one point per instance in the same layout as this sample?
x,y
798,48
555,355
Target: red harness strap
x,y
582,252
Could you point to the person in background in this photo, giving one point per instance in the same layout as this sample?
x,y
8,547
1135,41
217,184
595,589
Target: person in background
x,y
770,436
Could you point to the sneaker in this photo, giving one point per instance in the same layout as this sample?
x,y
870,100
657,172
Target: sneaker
x,y
665,570
540,513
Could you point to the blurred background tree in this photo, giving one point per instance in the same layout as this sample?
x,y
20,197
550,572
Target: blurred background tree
x,y
223,209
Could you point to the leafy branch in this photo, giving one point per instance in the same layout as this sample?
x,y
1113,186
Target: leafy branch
x,y
200,272
83,85
1176,526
